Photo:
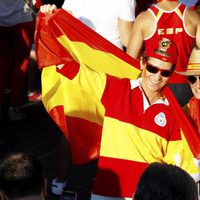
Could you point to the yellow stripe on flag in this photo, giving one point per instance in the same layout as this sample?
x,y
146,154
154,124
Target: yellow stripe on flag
x,y
58,90
99,60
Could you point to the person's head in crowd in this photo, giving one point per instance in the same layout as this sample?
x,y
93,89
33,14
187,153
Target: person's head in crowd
x,y
21,177
193,72
165,182
158,64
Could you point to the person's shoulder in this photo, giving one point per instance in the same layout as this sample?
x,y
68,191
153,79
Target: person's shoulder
x,y
192,18
144,16
192,14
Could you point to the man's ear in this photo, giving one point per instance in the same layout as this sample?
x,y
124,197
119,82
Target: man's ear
x,y
142,62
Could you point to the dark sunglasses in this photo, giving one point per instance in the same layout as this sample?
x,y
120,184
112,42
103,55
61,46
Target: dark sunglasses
x,y
154,70
192,79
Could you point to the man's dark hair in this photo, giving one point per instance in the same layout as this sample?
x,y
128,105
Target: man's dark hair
x,y
146,58
21,175
165,182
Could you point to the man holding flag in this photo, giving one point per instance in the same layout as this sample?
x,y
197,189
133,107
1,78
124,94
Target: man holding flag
x,y
115,24
168,18
139,119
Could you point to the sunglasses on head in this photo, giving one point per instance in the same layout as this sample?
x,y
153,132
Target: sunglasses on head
x,y
154,70
192,79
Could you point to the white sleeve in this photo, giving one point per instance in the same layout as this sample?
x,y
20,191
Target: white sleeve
x,y
127,10
68,5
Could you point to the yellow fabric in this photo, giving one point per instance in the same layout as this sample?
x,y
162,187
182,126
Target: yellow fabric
x,y
58,90
181,155
190,164
159,14
81,98
127,141
90,85
123,144
68,93
99,60
179,13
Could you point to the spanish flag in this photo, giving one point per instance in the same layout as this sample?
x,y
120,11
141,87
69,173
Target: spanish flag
x,y
62,40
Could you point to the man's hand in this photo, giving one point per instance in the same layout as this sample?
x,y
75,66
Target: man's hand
x,y
48,9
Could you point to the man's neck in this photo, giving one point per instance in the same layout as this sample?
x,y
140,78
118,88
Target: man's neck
x,y
167,5
152,97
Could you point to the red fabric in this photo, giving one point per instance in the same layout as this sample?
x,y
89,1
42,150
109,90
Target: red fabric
x,y
15,45
194,105
38,3
191,135
123,167
50,52
84,139
69,73
58,115
171,26
165,50
75,31
118,94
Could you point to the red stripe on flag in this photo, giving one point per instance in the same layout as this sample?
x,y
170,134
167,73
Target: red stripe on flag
x,y
63,23
191,135
84,136
116,182
48,50
84,139
58,115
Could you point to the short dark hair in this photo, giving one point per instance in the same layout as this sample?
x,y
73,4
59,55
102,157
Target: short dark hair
x,y
146,58
165,182
21,175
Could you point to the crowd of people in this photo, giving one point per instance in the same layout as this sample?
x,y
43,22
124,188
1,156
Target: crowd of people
x,y
16,30
22,178
19,73
141,141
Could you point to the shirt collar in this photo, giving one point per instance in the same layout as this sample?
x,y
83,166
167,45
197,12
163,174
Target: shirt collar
x,y
137,83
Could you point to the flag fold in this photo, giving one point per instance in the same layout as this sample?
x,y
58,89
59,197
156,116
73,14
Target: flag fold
x,y
61,40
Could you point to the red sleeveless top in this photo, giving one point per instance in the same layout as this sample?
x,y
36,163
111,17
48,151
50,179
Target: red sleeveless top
x,y
170,24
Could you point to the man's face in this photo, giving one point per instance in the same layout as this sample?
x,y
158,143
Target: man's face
x,y
155,74
194,82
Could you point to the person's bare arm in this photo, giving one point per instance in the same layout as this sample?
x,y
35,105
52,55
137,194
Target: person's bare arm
x,y
195,20
143,27
135,43
125,28
48,9
192,22
198,32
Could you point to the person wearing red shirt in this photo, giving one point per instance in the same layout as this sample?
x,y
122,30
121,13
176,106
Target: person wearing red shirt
x,y
173,20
